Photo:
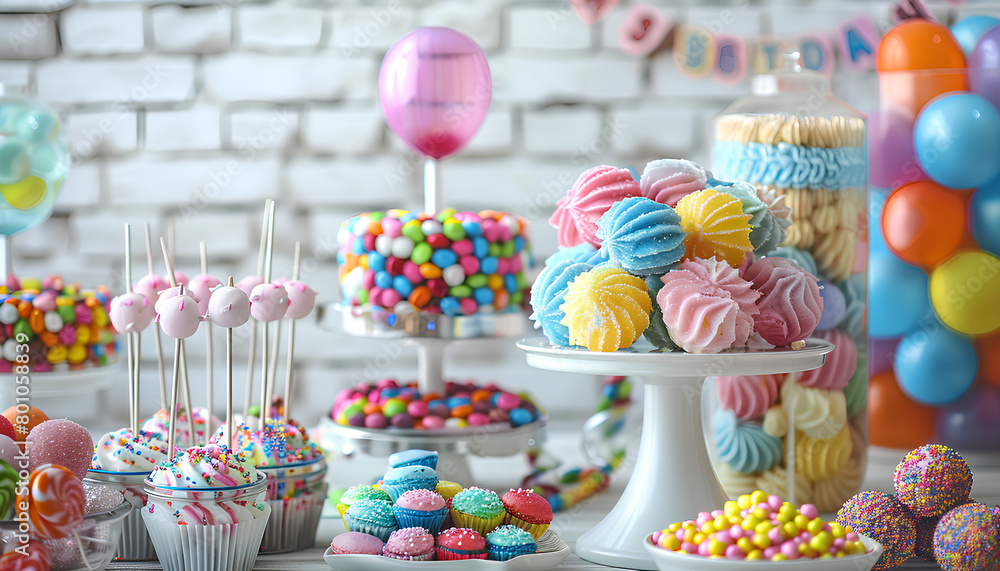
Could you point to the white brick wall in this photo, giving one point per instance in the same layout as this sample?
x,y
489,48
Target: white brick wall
x,y
200,110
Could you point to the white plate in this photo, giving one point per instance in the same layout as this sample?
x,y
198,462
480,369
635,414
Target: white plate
x,y
551,552
667,560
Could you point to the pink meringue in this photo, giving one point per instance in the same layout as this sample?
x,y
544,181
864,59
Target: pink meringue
x,y
248,283
131,312
268,302
201,287
839,366
705,306
301,299
592,195
229,307
178,315
790,305
749,396
668,180
150,286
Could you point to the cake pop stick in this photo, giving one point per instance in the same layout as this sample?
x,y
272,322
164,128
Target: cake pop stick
x,y
247,284
301,301
201,287
156,330
263,297
181,327
229,307
178,317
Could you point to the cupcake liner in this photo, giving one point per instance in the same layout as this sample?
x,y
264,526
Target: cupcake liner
x,y
429,556
481,524
432,521
293,522
222,547
535,529
380,531
445,554
134,543
507,552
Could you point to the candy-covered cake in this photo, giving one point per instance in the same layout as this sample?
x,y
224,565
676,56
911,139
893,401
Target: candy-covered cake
x,y
455,263
65,326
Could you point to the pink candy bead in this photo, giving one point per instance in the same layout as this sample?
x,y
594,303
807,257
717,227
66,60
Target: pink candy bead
x,y
809,511
470,264
503,266
390,298
775,501
734,552
724,537
509,401
771,551
853,536
736,532
478,419
839,543
368,279
411,271
790,550
392,227
417,408
462,247
703,549
469,306
680,534
656,536
432,422
774,535
515,264
689,547
717,513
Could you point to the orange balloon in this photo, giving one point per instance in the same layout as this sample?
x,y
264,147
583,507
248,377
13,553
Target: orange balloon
x,y
24,421
988,352
924,223
895,421
917,61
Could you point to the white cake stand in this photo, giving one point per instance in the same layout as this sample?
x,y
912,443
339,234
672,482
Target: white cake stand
x,y
673,477
432,335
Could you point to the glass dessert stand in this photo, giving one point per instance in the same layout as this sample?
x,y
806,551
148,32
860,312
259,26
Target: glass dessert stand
x,y
673,477
432,335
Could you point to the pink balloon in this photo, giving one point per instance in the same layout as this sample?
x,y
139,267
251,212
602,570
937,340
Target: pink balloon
x,y
435,88
891,158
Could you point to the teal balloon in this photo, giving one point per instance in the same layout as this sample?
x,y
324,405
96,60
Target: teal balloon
x,y
957,140
51,162
934,365
968,31
32,123
13,220
14,160
984,216
898,299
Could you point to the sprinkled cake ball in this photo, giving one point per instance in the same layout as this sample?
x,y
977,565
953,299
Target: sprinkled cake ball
x,y
61,442
924,546
968,537
885,519
932,480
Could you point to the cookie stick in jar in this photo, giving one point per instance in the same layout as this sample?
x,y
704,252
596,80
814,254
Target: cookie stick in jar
x,y
229,308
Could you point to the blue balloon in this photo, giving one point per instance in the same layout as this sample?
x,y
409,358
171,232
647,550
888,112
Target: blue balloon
x,y
14,160
934,365
876,204
957,140
967,31
984,216
898,299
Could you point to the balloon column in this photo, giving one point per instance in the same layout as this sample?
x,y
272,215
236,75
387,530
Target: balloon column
x,y
435,88
935,270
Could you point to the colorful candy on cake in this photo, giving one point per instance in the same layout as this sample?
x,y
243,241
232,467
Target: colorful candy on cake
x,y
387,404
408,512
455,263
759,526
677,257
65,326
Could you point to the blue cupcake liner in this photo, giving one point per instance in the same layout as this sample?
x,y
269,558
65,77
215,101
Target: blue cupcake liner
x,y
507,552
380,531
432,521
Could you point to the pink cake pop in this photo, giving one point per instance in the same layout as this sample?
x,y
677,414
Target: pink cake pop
x,y
201,287
229,307
178,315
248,283
131,312
180,278
62,442
150,286
301,299
268,302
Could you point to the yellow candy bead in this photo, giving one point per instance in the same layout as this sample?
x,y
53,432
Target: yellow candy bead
x,y
758,497
731,509
822,542
716,547
840,554
744,502
755,554
735,520
698,538
745,544
763,527
801,521
779,557
716,556
708,529
784,518
750,522
721,523
826,556
689,535
791,530
837,530
682,552
761,514
672,528
806,551
761,540
668,541
815,526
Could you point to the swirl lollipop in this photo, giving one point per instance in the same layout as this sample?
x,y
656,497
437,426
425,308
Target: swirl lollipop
x,y
229,307
37,558
53,500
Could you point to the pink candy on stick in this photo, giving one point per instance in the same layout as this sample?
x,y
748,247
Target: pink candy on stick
x,y
201,287
301,299
150,286
178,315
248,283
268,302
229,307
131,312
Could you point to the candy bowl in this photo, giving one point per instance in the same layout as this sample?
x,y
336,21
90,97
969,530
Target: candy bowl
x,y
667,560
96,539
296,493
133,543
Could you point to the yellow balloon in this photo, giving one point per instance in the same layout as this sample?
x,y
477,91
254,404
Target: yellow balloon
x,y
965,292
26,194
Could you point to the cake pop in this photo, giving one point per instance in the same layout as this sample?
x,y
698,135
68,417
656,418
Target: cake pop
x,y
201,288
150,286
301,299
229,307
885,519
932,480
178,315
268,302
968,537
131,312
248,283
61,442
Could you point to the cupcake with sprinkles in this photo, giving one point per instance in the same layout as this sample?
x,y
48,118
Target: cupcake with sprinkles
x,y
508,541
205,510
968,537
478,509
410,544
886,520
932,480
457,544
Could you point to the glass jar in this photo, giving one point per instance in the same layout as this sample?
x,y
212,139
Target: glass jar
x,y
134,543
296,493
183,543
802,436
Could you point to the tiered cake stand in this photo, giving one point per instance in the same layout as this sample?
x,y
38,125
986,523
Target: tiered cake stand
x,y
432,335
673,478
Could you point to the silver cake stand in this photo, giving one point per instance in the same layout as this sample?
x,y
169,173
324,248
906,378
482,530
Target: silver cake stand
x,y
673,478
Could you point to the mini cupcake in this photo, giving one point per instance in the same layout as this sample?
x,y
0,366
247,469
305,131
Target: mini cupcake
x,y
414,457
410,544
528,511
373,517
478,509
457,544
421,508
356,543
509,541
405,478
355,493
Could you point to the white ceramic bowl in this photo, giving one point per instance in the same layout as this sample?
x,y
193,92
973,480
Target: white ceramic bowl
x,y
667,560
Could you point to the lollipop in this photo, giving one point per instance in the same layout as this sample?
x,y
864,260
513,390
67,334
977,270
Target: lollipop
x,y
54,501
6,428
8,450
131,312
8,488
33,557
17,416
